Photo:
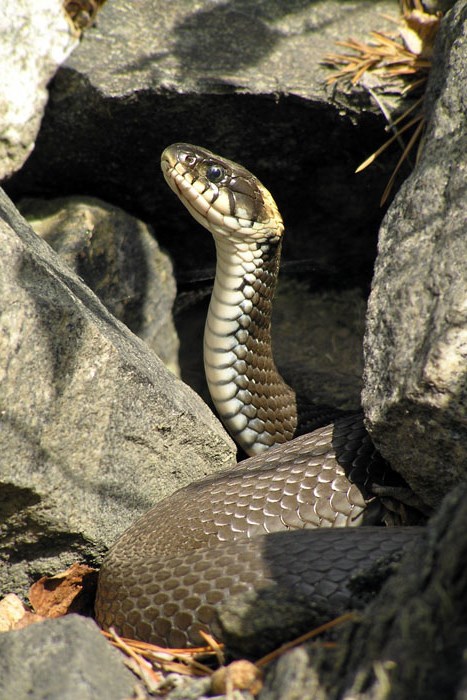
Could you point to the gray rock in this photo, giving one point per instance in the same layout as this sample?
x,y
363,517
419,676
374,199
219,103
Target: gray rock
x,y
291,678
64,658
415,395
35,40
94,429
245,79
179,687
119,259
435,6
318,342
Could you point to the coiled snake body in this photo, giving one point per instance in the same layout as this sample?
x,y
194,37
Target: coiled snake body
x,y
164,577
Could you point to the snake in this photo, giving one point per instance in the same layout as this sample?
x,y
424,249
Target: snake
x,y
304,511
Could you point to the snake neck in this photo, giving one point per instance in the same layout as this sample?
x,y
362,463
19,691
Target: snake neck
x,y
255,404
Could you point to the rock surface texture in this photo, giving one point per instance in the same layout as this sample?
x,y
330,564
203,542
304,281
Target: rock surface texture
x,y
95,429
65,658
35,38
119,259
415,394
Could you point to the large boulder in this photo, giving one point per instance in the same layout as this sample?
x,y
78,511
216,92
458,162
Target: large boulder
x,y
415,395
119,259
94,428
36,38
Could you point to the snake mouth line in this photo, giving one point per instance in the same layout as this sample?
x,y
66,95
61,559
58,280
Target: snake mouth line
x,y
197,205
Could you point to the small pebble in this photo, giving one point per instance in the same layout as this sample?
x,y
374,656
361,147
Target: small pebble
x,y
239,675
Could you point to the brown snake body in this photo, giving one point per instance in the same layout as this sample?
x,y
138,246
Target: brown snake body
x,y
165,576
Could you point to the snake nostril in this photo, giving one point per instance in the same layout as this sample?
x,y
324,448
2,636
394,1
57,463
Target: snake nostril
x,y
188,159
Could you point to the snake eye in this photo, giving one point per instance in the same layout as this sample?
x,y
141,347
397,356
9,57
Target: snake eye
x,y
215,173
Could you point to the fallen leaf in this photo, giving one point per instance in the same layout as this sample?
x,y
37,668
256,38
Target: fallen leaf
x,y
68,591
418,32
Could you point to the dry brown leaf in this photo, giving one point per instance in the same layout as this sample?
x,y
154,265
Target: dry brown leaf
x,y
82,12
67,591
418,32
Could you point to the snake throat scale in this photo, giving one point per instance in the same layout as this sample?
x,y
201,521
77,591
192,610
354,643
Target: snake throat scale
x,y
312,470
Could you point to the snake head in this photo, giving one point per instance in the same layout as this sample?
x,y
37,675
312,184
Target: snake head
x,y
221,195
